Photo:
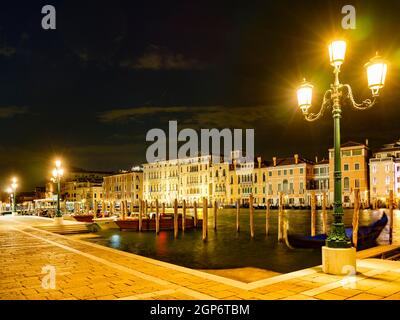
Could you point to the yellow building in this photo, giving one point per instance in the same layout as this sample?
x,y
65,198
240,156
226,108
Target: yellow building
x,y
125,185
384,169
354,172
320,182
292,176
83,196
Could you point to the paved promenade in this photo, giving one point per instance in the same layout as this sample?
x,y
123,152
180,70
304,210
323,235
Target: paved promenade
x,y
89,271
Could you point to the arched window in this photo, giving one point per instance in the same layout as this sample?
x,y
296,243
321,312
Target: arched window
x,y
346,183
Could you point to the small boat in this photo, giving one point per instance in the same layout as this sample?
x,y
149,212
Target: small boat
x,y
84,217
367,236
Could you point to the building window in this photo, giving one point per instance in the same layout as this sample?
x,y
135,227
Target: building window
x,y
387,180
284,172
301,170
279,172
270,173
346,167
356,166
357,152
346,183
374,180
357,183
374,168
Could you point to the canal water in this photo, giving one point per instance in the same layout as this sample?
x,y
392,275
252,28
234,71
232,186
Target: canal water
x,y
226,248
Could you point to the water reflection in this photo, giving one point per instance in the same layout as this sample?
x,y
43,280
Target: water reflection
x,y
226,248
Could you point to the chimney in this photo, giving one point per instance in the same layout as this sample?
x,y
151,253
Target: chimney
x,y
316,159
296,158
274,160
259,162
366,142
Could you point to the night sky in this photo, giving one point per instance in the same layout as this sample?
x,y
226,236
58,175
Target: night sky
x,y
91,89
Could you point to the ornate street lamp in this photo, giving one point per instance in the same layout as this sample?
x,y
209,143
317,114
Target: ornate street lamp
x,y
335,98
57,174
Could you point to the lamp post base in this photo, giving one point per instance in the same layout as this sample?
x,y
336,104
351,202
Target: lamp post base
x,y
58,220
338,261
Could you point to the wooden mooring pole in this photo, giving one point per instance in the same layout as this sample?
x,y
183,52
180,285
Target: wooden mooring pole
x,y
215,214
157,218
391,217
324,215
267,214
176,218
141,209
356,214
251,216
195,214
280,218
237,215
313,213
205,219
184,215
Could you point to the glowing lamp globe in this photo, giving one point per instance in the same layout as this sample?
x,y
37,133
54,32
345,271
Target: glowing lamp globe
x,y
337,52
304,96
376,73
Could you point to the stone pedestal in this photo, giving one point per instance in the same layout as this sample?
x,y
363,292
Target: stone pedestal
x,y
338,261
58,220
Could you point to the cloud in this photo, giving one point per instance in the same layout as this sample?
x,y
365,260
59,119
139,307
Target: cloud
x,y
157,58
9,112
199,116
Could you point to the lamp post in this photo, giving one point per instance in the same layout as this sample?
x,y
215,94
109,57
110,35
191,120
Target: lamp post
x,y
337,96
57,174
12,191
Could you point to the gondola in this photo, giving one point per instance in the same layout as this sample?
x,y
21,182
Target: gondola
x,y
367,236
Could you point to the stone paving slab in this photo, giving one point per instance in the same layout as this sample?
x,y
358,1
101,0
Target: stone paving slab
x,y
89,271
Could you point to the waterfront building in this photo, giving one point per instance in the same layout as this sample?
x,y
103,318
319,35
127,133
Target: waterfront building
x,y
83,196
384,169
293,177
81,190
123,186
354,172
320,182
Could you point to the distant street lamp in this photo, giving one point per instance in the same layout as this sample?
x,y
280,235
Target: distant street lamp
x,y
12,191
335,97
57,174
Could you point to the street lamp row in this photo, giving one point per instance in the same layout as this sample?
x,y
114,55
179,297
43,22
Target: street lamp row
x,y
58,172
334,98
11,190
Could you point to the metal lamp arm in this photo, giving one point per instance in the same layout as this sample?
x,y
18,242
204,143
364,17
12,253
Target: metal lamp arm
x,y
325,104
366,104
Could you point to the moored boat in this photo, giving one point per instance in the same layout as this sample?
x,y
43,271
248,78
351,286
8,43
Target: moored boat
x,y
84,217
367,236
